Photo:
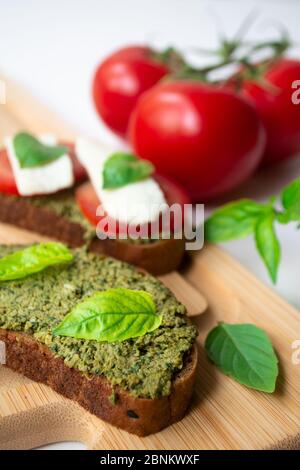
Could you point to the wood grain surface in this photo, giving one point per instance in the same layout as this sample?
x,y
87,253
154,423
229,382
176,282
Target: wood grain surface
x,y
223,414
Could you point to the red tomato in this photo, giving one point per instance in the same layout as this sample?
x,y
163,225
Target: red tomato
x,y
88,201
7,180
272,94
207,139
120,80
79,170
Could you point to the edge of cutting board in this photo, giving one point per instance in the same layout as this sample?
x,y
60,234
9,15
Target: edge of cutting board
x,y
223,414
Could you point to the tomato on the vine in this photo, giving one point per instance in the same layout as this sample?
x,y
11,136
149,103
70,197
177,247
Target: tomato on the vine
x,y
208,139
272,93
121,79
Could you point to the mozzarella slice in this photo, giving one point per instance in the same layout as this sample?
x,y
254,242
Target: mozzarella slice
x,y
137,203
46,179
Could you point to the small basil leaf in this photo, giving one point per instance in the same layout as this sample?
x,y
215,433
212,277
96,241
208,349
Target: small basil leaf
x,y
121,169
233,220
33,153
290,198
267,244
33,259
245,353
113,315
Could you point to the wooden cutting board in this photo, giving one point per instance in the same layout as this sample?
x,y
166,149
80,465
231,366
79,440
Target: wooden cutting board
x,y
223,414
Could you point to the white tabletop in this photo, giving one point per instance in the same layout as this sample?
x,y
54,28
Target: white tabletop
x,y
52,47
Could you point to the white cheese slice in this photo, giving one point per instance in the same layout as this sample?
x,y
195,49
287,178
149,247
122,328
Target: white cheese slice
x,y
137,203
46,179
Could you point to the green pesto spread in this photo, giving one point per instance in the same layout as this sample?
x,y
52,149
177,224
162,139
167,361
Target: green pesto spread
x,y
144,366
64,205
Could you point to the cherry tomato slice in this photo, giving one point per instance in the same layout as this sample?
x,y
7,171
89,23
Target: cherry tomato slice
x,y
7,180
88,202
79,171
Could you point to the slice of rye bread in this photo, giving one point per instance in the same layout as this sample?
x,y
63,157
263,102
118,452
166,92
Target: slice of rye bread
x,y
94,391
139,416
157,258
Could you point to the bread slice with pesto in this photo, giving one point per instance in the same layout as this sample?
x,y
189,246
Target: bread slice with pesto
x,y
136,373
59,217
52,203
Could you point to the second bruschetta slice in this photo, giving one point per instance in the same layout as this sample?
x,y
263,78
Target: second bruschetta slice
x,y
40,191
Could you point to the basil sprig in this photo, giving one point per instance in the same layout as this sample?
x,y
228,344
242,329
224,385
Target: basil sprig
x,y
246,217
122,168
33,259
32,153
291,202
112,315
245,353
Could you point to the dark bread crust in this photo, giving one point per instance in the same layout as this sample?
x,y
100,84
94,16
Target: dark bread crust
x,y
157,258
140,416
23,214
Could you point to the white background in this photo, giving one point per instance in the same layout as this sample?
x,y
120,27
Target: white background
x,y
53,46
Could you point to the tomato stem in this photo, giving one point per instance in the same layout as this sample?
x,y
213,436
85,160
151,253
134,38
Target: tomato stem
x,y
227,53
172,58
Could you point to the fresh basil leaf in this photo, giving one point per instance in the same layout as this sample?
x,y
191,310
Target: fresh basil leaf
x,y
267,244
33,259
121,169
113,315
234,220
290,199
245,353
32,153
